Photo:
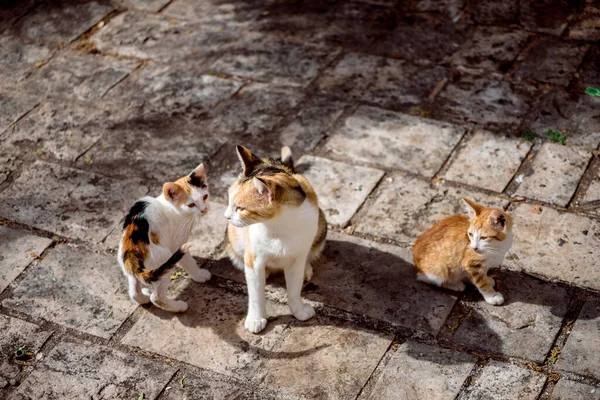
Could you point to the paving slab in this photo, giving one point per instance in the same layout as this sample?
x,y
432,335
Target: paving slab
x,y
341,188
580,353
485,100
550,60
205,387
227,12
491,48
74,370
378,281
555,245
19,249
334,362
586,26
420,371
506,381
589,71
145,5
555,173
416,206
571,390
12,10
395,140
95,302
449,8
20,57
67,201
390,83
545,16
488,161
524,326
211,333
491,12
591,199
13,107
62,21
16,332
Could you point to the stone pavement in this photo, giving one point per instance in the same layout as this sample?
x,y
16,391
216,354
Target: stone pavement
x,y
394,110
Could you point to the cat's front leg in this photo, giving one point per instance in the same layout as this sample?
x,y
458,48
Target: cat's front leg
x,y
294,279
256,320
485,285
196,273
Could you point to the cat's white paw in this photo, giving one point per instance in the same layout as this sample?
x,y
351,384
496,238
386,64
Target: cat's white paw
x,y
141,298
200,275
495,299
255,325
176,306
308,272
307,312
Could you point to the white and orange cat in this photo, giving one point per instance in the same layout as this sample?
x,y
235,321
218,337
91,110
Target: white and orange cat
x,y
459,249
274,223
155,232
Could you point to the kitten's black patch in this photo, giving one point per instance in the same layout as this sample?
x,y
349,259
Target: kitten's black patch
x,y
136,210
197,181
141,227
502,220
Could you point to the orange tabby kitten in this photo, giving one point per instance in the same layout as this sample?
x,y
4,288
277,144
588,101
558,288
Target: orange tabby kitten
x,y
460,248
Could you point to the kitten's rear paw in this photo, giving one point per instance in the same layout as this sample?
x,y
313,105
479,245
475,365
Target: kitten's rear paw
x,y
200,275
176,306
141,298
255,325
495,299
307,312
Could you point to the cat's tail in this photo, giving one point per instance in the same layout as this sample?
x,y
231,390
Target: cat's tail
x,y
135,265
286,158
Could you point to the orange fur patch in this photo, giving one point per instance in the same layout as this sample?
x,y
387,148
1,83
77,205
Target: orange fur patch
x,y
154,237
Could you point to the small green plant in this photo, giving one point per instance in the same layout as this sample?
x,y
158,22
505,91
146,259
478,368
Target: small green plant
x,y
556,136
528,135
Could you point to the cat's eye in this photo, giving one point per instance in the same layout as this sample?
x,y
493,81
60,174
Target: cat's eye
x,y
485,237
237,209
205,197
192,205
470,234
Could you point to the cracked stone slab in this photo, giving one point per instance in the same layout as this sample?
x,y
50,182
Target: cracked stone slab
x,y
275,61
334,361
62,21
211,333
571,390
68,202
18,250
554,174
378,281
492,12
162,90
545,16
550,60
491,48
586,26
485,100
341,188
580,353
524,326
20,57
74,370
14,107
17,333
506,381
206,386
591,199
420,371
395,140
416,206
79,76
488,161
57,291
387,82
556,245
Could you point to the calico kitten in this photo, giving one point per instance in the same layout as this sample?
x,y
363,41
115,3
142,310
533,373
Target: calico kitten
x,y
154,238
275,223
460,248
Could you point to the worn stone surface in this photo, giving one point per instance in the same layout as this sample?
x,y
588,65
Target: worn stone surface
x,y
12,10
378,281
579,354
89,301
204,387
19,249
587,25
488,161
416,206
524,326
570,390
545,16
339,191
506,381
209,232
146,5
74,370
333,361
17,333
395,140
62,21
387,82
450,8
550,60
492,48
12,108
422,372
495,12
554,174
20,57
226,12
211,333
556,245
67,201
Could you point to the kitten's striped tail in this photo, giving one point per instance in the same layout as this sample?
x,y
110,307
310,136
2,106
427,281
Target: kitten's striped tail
x,y
135,264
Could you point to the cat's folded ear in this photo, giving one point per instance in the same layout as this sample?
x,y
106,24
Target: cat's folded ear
x,y
248,160
173,192
263,188
498,220
473,209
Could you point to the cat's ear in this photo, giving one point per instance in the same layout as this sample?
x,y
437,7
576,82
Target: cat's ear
x,y
172,191
498,220
473,209
263,188
198,177
248,160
